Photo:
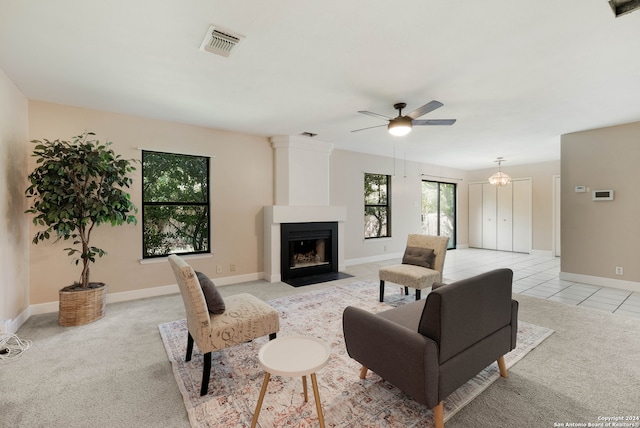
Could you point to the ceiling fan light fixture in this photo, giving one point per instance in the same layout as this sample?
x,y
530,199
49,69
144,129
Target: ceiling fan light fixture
x,y
499,178
400,126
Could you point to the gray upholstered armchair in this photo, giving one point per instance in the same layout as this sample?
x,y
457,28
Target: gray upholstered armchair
x,y
430,348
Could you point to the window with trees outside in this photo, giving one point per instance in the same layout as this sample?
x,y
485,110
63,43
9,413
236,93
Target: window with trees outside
x,y
377,206
175,204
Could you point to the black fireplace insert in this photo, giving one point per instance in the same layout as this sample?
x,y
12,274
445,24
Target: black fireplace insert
x,y
308,249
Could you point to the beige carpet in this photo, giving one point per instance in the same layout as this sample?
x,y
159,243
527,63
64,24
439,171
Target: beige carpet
x,y
347,401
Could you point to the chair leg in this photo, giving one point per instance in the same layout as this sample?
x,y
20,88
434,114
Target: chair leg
x,y
417,294
206,371
406,291
503,367
363,372
438,415
381,290
189,347
272,336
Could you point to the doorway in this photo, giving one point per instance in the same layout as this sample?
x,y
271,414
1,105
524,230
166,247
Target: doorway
x,y
439,210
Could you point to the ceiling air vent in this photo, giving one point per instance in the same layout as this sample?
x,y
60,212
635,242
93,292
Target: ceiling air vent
x,y
622,7
220,41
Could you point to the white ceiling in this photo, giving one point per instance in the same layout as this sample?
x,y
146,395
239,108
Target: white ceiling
x,y
516,75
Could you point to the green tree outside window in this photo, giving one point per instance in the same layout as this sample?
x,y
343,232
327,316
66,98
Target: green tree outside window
x,y
377,205
175,204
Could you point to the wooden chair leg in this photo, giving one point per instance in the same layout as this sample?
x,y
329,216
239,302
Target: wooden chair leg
x,y
418,294
189,347
503,367
363,372
438,415
206,371
381,290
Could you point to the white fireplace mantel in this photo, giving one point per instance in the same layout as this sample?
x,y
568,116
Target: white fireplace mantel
x,y
275,215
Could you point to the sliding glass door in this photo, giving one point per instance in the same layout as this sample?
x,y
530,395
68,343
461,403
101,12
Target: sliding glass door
x,y
439,210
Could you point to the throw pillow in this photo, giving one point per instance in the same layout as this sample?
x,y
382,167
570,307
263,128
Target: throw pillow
x,y
212,296
419,256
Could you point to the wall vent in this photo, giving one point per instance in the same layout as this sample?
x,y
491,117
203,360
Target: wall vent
x,y
220,41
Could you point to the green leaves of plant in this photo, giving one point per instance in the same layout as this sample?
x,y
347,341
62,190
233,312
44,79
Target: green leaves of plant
x,y
76,186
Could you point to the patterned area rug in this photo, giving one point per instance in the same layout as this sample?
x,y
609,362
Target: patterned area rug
x,y
347,401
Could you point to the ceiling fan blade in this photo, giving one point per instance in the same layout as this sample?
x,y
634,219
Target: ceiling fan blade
x,y
369,113
362,129
447,122
421,111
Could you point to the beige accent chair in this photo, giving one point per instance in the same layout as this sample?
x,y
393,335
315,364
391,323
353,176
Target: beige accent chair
x,y
246,318
418,277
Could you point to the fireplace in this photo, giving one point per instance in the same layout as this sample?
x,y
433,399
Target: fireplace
x,y
301,207
308,249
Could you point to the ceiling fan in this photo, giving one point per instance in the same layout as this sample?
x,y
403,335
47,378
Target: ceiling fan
x,y
401,125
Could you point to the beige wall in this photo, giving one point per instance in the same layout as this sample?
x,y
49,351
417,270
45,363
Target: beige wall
x,y
347,189
14,227
541,175
242,184
242,177
597,236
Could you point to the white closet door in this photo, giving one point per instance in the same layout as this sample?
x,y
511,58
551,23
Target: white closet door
x,y
505,218
522,215
475,215
489,229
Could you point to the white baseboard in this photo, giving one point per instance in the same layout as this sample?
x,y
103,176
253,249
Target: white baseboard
x,y
272,278
228,280
373,259
13,325
51,307
541,253
601,281
143,293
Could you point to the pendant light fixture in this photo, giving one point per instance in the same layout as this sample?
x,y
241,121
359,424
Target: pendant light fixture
x,y
499,178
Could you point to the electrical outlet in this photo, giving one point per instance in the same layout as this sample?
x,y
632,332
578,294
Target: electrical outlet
x,y
619,270
232,267
219,269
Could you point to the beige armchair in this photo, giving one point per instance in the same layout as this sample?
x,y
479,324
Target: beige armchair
x,y
412,273
246,318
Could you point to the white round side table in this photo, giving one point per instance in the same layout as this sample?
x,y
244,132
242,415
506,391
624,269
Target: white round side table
x,y
291,356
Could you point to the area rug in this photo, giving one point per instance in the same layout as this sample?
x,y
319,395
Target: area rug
x,y
347,401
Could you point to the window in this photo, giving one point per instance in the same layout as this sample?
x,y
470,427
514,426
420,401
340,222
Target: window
x,y
175,204
377,206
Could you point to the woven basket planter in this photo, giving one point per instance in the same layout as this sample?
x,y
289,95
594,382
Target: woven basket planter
x,y
79,307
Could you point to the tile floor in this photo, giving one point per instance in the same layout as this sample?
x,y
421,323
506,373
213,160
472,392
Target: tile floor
x,y
538,276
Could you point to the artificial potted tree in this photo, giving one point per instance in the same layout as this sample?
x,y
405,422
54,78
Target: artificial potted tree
x,y
76,186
